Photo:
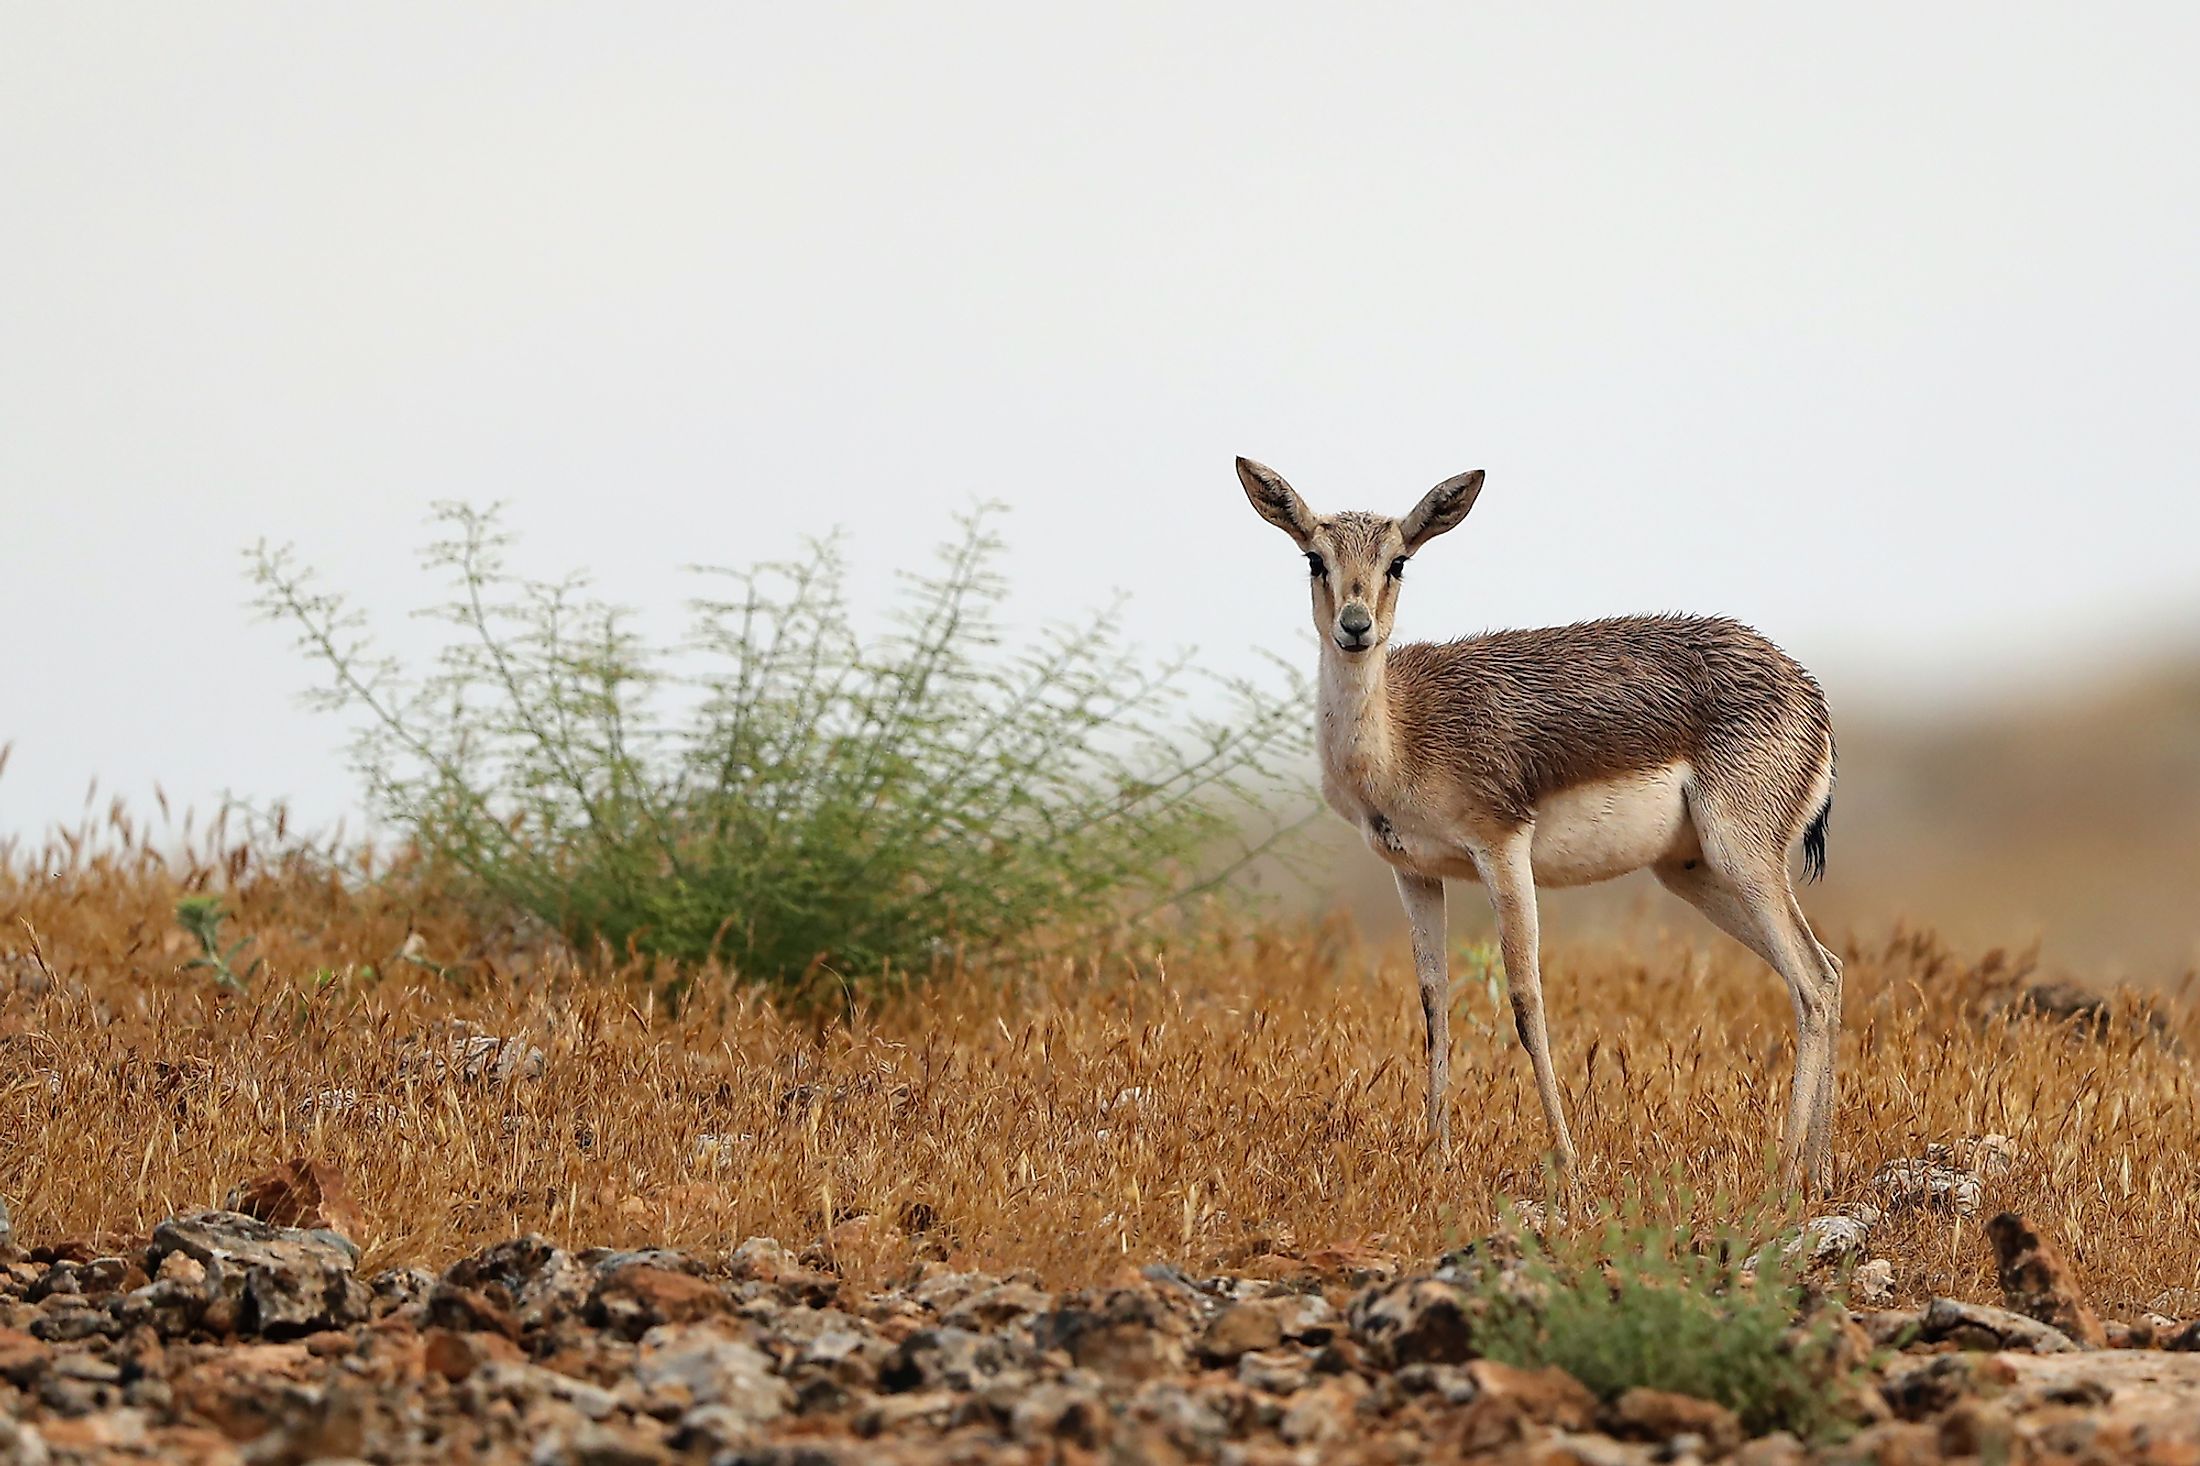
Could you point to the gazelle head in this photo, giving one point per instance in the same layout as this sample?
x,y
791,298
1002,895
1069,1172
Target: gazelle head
x,y
1356,560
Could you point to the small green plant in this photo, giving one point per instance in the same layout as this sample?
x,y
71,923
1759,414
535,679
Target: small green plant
x,y
1717,1316
201,916
816,808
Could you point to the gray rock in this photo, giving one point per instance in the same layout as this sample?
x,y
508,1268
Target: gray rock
x,y
527,1385
399,1288
1062,1410
282,1281
955,1359
1447,1382
21,1444
596,1443
1976,1326
1929,1183
74,1322
1277,1371
544,1281
680,1368
1416,1320
1190,1423
1825,1242
1872,1285
170,1306
996,1307
1891,1328
889,1413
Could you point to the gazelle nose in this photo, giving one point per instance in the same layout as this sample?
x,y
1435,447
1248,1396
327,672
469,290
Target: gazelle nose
x,y
1355,621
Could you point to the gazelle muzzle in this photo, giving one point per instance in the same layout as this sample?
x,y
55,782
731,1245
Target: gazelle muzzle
x,y
1353,627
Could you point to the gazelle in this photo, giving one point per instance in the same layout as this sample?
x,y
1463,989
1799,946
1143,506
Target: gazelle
x,y
1689,745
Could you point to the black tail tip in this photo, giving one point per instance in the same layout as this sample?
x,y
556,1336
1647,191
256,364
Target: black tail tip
x,y
1814,842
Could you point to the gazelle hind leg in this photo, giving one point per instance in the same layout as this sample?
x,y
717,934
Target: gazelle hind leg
x,y
1820,1140
1759,911
1510,878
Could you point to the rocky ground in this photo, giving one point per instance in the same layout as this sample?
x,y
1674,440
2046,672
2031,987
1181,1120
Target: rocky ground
x,y
249,1335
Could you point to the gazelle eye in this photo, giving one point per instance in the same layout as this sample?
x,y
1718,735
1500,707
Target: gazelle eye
x,y
1314,563
1398,568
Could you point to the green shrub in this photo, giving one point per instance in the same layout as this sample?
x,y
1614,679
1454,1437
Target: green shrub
x,y
1631,1304
775,791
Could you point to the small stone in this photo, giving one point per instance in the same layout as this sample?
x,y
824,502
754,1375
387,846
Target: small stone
x,y
1872,1285
22,1357
1447,1382
638,1297
1926,1183
954,1359
1661,1415
1989,1156
1126,1334
598,1443
1415,1320
889,1413
456,1356
22,1444
458,1309
400,1291
1008,1302
1278,1372
181,1267
543,1281
1777,1449
2121,1335
1565,1449
1919,1389
1547,1396
691,1366
1976,1428
2036,1282
1241,1329
1892,1328
1060,1411
761,1260
1824,1243
1324,1413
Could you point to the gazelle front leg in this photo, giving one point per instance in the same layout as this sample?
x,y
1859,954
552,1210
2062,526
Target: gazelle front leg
x,y
1423,899
1506,871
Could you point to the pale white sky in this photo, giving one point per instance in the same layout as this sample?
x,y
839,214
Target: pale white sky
x,y
1876,325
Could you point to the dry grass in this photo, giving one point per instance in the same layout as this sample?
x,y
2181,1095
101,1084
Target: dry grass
x,y
1251,1093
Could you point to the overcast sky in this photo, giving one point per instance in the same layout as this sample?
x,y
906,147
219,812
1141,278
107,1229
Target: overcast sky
x,y
1878,326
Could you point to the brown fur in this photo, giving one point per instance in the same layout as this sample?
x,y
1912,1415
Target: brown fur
x,y
1522,714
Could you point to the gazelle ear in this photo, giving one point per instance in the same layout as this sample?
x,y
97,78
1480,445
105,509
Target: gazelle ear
x,y
1276,501
1441,508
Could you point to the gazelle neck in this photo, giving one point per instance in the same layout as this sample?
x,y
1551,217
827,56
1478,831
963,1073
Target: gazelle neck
x,y
1353,721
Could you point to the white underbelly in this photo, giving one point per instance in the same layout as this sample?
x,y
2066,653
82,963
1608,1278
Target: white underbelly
x,y
1595,831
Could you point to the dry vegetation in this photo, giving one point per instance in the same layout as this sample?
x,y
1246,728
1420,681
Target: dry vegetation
x,y
1247,1095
